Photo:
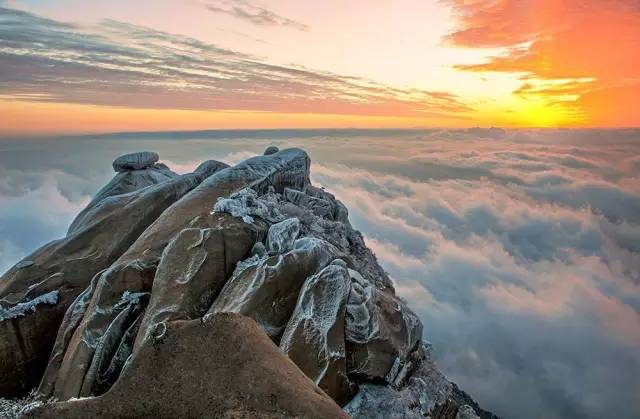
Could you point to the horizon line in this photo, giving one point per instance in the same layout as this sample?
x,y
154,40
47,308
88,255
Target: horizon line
x,y
233,132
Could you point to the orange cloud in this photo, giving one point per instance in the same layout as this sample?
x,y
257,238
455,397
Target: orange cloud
x,y
583,54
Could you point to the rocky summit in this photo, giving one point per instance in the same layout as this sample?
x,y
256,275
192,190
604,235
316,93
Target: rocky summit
x,y
233,291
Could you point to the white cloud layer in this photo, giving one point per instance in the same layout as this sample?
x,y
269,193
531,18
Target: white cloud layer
x,y
520,250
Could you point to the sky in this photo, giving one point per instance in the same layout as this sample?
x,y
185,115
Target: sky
x,y
518,249
72,66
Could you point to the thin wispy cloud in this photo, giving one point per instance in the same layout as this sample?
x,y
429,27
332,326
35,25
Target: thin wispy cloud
x,y
120,64
252,13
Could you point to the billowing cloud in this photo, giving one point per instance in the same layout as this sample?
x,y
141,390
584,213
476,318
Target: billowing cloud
x,y
519,250
120,64
581,56
249,12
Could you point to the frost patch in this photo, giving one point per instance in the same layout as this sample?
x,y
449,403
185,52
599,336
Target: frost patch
x,y
16,408
247,263
21,309
246,204
129,297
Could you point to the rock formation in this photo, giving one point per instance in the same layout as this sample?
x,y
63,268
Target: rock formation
x,y
237,291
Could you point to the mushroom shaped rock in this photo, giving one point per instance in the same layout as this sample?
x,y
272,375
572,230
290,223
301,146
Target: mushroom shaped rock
x,y
381,331
268,289
135,161
271,150
314,336
223,366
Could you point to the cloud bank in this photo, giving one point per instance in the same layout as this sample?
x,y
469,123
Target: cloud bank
x,y
519,250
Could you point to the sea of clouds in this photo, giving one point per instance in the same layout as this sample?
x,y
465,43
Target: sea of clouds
x,y
519,250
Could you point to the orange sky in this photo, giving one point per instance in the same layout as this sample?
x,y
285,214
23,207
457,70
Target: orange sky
x,y
68,66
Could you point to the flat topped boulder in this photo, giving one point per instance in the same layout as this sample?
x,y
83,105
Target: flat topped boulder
x,y
135,161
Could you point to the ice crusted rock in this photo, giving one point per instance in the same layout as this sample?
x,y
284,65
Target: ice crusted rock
x,y
140,298
314,336
380,329
126,182
424,392
20,309
67,266
246,205
319,206
16,408
24,264
268,290
135,269
209,167
135,161
281,236
193,269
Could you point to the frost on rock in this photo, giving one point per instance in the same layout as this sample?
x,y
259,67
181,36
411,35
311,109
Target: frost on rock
x,y
281,235
273,248
314,336
135,161
132,297
20,309
268,291
246,204
16,408
379,329
320,215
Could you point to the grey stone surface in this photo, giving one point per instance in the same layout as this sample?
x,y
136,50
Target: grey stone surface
x,y
67,266
281,236
135,269
135,161
220,367
314,336
379,329
271,150
268,290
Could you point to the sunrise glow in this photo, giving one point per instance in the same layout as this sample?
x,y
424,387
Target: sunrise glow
x,y
216,64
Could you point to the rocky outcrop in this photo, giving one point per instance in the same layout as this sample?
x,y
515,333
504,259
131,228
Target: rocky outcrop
x,y
134,271
267,291
193,269
314,336
418,390
222,366
214,271
67,266
380,330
